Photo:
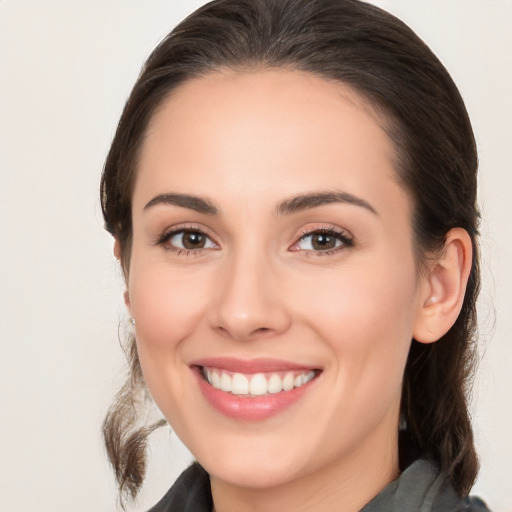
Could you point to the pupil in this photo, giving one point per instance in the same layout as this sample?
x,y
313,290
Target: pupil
x,y
322,241
193,240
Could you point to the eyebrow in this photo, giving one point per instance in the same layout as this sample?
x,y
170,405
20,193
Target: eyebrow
x,y
198,204
306,201
292,205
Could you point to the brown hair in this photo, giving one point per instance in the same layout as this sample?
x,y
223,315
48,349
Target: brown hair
x,y
366,48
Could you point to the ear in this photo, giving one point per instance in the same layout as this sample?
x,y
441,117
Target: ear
x,y
444,287
117,249
127,302
126,295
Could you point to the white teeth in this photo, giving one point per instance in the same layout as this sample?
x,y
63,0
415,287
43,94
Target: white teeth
x,y
275,384
239,384
257,384
225,382
214,380
288,382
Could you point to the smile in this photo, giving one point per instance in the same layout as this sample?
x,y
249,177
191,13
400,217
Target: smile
x,y
253,390
258,384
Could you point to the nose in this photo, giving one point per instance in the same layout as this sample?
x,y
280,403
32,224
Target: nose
x,y
250,304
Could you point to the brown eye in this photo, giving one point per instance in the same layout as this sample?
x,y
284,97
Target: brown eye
x,y
322,241
193,240
189,240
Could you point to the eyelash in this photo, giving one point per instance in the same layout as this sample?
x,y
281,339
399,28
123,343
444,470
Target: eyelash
x,y
346,241
164,239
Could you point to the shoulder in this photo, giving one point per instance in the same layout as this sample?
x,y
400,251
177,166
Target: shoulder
x,y
190,493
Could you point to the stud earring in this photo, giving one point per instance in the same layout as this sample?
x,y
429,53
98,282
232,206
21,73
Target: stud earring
x,y
430,301
132,320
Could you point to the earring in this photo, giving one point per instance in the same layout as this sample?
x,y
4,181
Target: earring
x,y
132,320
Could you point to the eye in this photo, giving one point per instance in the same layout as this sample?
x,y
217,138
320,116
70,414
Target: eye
x,y
322,241
187,240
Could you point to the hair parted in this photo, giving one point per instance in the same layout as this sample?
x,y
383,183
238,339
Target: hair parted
x,y
377,55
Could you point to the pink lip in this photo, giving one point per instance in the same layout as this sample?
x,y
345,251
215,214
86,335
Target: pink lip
x,y
261,365
243,407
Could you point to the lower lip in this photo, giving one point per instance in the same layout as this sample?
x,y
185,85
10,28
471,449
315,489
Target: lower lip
x,y
246,408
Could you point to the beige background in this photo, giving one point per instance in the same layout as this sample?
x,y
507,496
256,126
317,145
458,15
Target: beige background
x,y
66,68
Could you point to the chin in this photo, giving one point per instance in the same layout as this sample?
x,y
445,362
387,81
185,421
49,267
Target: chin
x,y
260,466
248,475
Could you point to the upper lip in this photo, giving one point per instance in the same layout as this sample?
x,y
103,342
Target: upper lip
x,y
249,366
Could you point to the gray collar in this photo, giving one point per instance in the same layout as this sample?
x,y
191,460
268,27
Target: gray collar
x,y
420,488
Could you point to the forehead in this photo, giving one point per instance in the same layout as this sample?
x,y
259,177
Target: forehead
x,y
285,128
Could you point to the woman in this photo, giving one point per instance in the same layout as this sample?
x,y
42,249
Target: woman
x,y
292,192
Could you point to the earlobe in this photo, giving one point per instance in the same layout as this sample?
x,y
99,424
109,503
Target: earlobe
x,y
127,301
117,249
118,254
444,288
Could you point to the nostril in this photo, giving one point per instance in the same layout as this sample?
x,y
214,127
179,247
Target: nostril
x,y
260,331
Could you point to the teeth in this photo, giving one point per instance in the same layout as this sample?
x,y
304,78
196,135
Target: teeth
x,y
288,382
214,380
239,384
274,384
225,382
257,384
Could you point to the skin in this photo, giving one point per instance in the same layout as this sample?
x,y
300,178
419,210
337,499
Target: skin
x,y
247,142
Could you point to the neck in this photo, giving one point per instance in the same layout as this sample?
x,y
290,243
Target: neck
x,y
346,485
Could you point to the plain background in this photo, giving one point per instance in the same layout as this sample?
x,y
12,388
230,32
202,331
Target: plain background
x,y
66,69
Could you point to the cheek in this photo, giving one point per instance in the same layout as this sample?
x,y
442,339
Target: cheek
x,y
167,307
366,316
363,297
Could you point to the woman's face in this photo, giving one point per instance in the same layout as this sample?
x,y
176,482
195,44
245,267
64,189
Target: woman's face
x,y
272,256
